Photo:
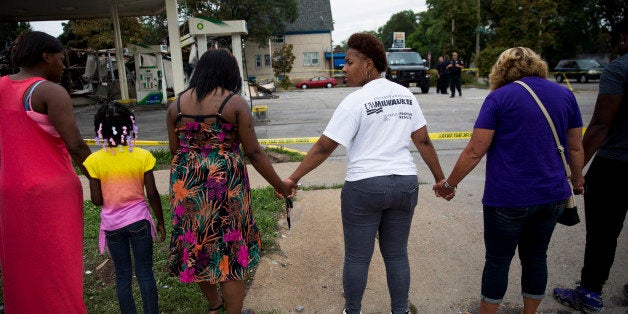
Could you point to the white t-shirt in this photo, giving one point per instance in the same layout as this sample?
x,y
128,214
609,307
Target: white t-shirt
x,y
374,123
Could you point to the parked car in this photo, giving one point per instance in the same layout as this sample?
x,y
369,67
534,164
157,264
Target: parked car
x,y
582,70
319,81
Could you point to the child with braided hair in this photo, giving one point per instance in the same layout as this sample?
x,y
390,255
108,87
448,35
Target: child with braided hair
x,y
120,172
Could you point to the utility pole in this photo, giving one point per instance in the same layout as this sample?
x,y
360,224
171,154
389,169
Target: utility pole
x,y
453,22
270,55
477,45
332,68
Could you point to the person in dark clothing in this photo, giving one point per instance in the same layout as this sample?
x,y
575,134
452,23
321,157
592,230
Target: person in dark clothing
x,y
455,68
440,76
605,143
445,75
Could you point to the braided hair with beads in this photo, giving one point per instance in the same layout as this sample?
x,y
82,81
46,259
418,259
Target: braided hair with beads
x,y
115,126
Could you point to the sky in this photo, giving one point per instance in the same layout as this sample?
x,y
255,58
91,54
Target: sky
x,y
348,17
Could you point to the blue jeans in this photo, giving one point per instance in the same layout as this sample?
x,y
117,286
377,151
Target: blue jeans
x,y
138,236
528,229
383,205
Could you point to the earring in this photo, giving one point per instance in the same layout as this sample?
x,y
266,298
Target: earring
x,y
368,75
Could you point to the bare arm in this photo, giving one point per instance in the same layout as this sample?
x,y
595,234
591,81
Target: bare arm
x,y
576,159
423,143
155,203
252,149
606,109
52,99
469,158
316,156
95,192
171,117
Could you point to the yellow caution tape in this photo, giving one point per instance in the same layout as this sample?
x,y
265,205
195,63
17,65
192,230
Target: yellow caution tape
x,y
305,140
450,135
293,140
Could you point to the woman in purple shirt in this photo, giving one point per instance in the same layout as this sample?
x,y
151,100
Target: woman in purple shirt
x,y
525,189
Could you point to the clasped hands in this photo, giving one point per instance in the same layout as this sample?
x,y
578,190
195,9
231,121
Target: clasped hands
x,y
441,190
289,189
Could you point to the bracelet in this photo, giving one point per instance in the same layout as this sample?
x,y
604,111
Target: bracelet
x,y
447,185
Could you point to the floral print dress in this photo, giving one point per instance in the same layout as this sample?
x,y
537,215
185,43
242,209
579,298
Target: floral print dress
x,y
214,236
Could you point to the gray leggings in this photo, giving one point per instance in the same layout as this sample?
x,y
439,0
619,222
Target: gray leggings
x,y
383,205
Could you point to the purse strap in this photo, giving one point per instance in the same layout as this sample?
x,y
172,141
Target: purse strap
x,y
561,149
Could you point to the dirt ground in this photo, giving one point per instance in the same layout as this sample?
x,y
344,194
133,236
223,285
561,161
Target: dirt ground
x,y
446,255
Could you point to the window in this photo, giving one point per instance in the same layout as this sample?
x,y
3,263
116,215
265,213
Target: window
x,y
278,39
258,61
266,60
310,58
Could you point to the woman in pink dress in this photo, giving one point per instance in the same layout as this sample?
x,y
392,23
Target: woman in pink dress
x,y
41,201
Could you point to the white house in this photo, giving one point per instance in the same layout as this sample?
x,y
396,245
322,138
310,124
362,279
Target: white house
x,y
310,36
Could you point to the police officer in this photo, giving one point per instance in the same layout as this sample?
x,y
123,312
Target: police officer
x,y
455,69
441,79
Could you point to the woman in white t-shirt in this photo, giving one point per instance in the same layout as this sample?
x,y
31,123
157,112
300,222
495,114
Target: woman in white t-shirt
x,y
375,124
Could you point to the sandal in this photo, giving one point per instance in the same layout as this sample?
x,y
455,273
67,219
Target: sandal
x,y
215,309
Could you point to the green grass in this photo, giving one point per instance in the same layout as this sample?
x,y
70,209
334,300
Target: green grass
x,y
295,156
164,158
174,297
321,187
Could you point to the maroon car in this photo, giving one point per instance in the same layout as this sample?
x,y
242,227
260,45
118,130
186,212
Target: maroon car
x,y
319,81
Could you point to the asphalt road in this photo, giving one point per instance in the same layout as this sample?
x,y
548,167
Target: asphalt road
x,y
304,113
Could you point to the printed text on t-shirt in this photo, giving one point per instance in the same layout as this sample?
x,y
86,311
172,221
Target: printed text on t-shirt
x,y
377,105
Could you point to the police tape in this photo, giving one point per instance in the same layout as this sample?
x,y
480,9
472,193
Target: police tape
x,y
305,140
450,135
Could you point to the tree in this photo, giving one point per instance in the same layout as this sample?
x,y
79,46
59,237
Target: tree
x,y
429,35
283,59
10,30
434,30
265,18
156,29
525,23
487,58
404,21
98,33
8,33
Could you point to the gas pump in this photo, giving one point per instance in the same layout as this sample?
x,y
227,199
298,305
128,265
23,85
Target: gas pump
x,y
201,27
150,81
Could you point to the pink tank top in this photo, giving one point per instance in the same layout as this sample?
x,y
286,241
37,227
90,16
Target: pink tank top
x,y
42,119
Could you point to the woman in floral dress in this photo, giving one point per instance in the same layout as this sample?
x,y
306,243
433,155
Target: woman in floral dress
x,y
214,238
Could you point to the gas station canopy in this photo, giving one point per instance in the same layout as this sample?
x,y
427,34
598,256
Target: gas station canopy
x,y
50,10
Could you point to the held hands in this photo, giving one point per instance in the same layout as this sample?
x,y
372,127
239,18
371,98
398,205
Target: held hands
x,y
578,185
161,232
292,186
441,189
289,189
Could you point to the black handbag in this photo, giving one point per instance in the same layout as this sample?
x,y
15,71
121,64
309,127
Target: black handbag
x,y
569,216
